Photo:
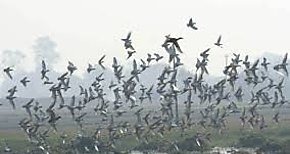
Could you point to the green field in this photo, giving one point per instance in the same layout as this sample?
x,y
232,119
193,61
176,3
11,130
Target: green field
x,y
274,136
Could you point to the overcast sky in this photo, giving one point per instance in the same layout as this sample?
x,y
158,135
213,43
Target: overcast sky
x,y
84,30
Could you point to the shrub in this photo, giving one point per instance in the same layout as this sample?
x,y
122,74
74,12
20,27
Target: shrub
x,y
252,141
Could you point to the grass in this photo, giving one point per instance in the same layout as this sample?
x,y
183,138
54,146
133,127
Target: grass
x,y
231,137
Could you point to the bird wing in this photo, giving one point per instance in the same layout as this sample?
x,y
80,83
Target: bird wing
x,y
102,58
190,22
134,65
150,89
219,39
255,64
285,58
129,35
70,63
115,61
43,65
10,76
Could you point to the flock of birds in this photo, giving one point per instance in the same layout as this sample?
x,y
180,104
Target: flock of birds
x,y
220,100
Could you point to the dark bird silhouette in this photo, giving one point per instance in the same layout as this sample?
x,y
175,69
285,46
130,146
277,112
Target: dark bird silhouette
x,y
28,107
149,58
24,81
128,42
8,71
90,68
218,43
101,61
276,118
157,57
71,67
282,65
44,70
11,101
205,54
174,41
130,53
246,62
191,24
265,63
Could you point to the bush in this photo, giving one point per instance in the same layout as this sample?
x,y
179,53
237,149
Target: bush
x,y
260,142
151,146
189,144
272,146
252,141
285,146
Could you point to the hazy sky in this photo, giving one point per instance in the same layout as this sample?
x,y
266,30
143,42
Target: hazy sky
x,y
84,30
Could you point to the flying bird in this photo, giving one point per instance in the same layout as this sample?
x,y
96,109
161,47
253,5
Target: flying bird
x,y
101,61
191,24
24,81
205,54
157,57
149,58
44,70
130,53
71,67
28,107
128,42
90,68
218,43
174,41
8,71
265,63
282,65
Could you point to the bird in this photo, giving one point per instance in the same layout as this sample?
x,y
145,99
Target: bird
x,y
101,61
71,67
280,86
143,65
201,65
157,57
28,106
149,58
128,42
246,62
90,68
7,148
135,71
276,118
174,41
79,120
112,84
44,70
63,77
11,101
8,71
149,93
115,64
191,24
130,53
177,62
243,117
11,96
205,54
265,63
282,65
53,118
47,82
24,81
218,43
